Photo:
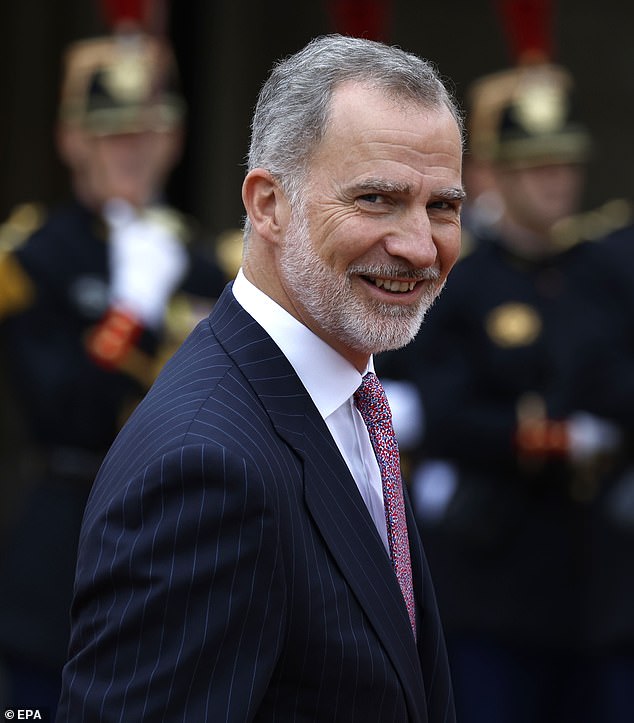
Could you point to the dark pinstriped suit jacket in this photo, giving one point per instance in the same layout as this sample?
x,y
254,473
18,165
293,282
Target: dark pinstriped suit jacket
x,y
228,569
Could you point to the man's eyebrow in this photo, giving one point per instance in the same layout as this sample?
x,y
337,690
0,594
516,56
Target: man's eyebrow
x,y
451,194
382,185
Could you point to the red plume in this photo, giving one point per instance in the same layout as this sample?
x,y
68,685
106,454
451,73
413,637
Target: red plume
x,y
361,18
147,15
528,25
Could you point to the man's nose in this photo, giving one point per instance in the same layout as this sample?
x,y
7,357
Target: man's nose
x,y
414,241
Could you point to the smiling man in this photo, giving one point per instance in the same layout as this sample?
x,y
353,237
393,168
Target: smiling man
x,y
248,551
365,249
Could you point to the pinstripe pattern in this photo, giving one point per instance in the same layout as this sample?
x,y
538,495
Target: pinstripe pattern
x,y
228,569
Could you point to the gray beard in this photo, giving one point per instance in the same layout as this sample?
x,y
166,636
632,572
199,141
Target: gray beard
x,y
358,322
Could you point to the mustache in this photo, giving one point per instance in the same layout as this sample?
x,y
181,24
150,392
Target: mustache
x,y
385,270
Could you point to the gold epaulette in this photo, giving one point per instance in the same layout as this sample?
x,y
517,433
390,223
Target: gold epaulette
x,y
229,251
592,225
468,243
17,291
23,220
183,312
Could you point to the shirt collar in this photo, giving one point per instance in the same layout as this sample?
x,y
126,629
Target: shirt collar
x,y
330,380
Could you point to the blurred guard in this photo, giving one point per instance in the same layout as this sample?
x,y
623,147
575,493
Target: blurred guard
x,y
513,454
88,300
611,623
523,116
581,413
519,117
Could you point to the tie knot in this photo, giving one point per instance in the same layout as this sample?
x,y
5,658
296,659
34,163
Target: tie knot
x,y
371,400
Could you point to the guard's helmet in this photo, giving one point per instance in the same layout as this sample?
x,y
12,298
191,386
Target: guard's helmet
x,y
525,116
124,83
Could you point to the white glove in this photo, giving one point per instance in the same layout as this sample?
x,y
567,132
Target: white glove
x,y
590,436
147,263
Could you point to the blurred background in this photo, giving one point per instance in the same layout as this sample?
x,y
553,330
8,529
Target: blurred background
x,y
225,47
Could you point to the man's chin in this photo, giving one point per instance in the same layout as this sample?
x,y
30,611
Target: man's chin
x,y
399,343
389,339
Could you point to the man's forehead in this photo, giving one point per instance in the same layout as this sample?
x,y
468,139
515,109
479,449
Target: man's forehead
x,y
378,130
357,109
353,95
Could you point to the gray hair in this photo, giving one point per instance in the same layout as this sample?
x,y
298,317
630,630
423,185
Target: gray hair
x,y
293,107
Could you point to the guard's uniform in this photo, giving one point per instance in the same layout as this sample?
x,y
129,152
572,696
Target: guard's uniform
x,y
91,305
611,596
54,292
506,337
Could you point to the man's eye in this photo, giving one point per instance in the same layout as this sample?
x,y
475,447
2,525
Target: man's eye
x,y
446,206
373,198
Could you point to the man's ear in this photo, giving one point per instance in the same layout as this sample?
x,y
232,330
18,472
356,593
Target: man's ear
x,y
266,204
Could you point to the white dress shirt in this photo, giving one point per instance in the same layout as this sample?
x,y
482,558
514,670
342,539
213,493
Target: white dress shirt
x,y
316,362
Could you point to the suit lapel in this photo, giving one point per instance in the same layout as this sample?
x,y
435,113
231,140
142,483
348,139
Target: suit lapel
x,y
345,524
331,494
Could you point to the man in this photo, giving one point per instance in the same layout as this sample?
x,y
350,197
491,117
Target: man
x,y
512,463
234,562
85,295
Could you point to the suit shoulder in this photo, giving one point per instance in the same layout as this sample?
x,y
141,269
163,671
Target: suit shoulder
x,y
199,393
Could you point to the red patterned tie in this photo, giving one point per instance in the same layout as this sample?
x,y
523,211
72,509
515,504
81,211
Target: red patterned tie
x,y
371,401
